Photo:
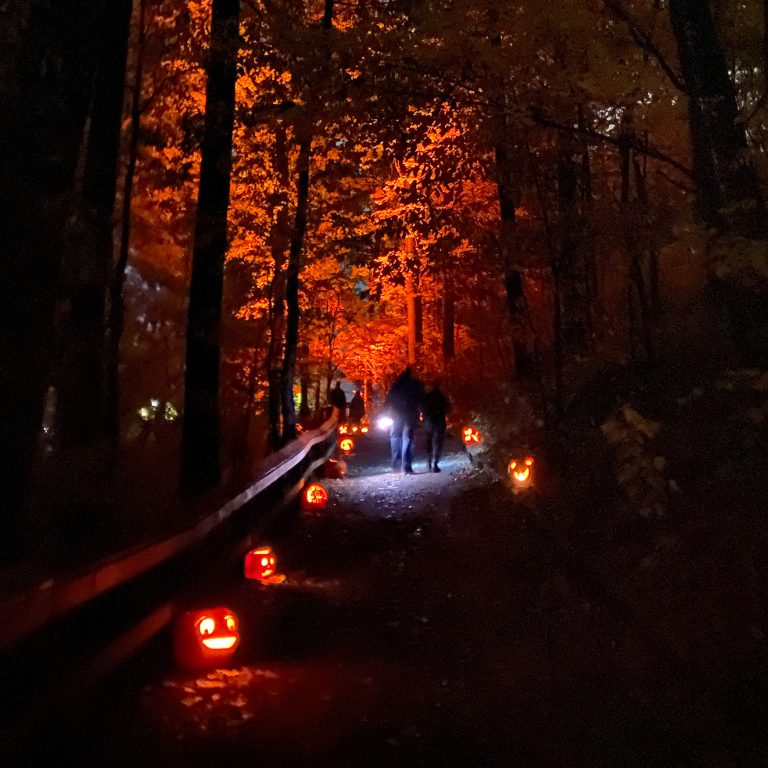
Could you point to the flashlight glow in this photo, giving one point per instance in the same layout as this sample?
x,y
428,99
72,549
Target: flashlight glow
x,y
385,422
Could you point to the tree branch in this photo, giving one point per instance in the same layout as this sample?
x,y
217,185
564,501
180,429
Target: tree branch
x,y
637,146
645,41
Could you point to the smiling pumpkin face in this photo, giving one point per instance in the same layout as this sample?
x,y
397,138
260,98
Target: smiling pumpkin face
x,y
521,472
206,638
260,563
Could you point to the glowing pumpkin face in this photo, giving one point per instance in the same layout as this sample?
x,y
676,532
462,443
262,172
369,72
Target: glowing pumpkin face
x,y
260,563
343,429
521,472
347,445
206,638
314,498
471,436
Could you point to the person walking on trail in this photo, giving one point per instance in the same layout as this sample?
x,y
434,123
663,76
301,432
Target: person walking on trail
x,y
436,407
403,401
356,408
339,400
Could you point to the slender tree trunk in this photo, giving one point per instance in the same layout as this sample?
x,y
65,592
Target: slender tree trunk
x,y
304,410
292,290
728,190
654,289
116,305
449,318
201,463
279,243
557,312
244,442
317,395
49,53
636,289
82,340
572,269
418,311
288,373
765,47
505,180
410,306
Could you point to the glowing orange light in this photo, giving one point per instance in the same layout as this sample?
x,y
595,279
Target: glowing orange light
x,y
314,497
260,563
364,430
471,436
343,429
347,444
521,472
206,638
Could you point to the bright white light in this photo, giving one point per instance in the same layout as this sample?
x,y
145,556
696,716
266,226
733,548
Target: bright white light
x,y
154,402
385,422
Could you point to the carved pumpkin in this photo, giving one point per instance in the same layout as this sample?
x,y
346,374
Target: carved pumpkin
x,y
335,469
206,638
343,429
471,436
314,498
521,472
260,563
347,445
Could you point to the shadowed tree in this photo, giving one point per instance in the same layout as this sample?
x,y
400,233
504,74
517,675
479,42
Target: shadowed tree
x,y
200,438
728,189
50,82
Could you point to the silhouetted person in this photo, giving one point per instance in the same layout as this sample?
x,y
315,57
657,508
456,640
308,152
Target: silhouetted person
x,y
435,407
356,408
339,400
403,402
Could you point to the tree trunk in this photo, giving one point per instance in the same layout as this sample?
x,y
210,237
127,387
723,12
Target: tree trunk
x,y
410,305
288,374
571,267
86,431
116,306
636,289
557,312
449,317
505,180
49,59
304,410
279,242
728,190
201,464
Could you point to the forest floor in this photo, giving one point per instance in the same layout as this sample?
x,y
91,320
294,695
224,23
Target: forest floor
x,y
440,620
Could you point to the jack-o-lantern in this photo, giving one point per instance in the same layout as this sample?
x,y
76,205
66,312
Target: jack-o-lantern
x,y
343,429
335,469
347,445
260,563
471,436
206,638
521,472
314,498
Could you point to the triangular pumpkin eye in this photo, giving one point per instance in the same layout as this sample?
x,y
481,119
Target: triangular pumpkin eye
x,y
529,461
